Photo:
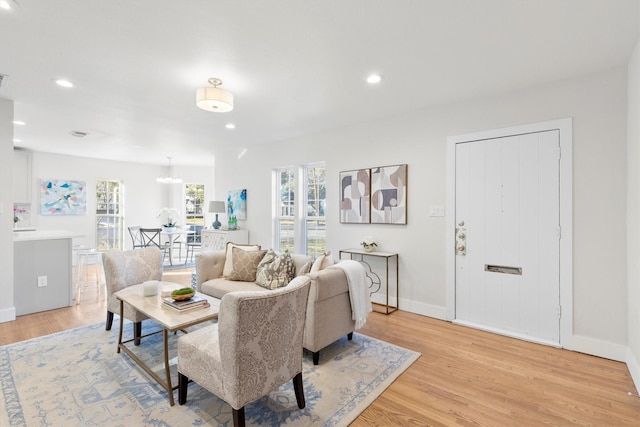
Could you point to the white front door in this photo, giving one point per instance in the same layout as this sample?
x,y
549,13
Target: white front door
x,y
507,215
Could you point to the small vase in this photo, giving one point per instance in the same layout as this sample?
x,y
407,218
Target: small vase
x,y
169,229
368,248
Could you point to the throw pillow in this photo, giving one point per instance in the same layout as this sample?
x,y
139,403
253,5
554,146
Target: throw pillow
x,y
245,264
322,262
276,272
228,260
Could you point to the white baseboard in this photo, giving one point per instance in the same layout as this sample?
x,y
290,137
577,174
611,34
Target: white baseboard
x,y
7,314
634,369
424,309
599,348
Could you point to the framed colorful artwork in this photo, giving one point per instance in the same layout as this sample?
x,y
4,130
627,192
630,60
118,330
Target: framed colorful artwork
x,y
237,204
389,194
63,197
355,197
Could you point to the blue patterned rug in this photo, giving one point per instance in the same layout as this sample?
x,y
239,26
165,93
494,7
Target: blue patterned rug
x,y
76,378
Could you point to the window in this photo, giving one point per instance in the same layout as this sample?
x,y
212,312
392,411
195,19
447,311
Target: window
x,y
300,228
315,220
285,215
194,204
109,214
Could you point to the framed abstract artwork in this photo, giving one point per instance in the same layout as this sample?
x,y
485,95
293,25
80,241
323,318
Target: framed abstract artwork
x,y
355,196
63,197
389,194
237,204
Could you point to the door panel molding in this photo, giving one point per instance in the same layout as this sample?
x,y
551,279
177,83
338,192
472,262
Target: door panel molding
x,y
565,128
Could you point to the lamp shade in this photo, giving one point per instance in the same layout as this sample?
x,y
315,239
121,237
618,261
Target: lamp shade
x,y
216,207
214,99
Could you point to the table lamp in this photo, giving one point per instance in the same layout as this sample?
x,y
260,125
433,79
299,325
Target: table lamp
x,y
216,207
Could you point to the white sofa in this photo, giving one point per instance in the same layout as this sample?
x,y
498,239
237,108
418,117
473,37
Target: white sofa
x,y
328,308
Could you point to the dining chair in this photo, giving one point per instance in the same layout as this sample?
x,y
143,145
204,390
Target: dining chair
x,y
255,347
136,238
194,241
127,268
151,237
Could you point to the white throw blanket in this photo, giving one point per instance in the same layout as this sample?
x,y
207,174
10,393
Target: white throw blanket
x,y
358,290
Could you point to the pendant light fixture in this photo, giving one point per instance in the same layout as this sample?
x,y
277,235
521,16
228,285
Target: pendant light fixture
x,y
213,98
169,179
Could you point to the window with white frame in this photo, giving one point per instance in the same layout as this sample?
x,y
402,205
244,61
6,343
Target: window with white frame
x,y
194,204
285,186
315,219
109,214
300,227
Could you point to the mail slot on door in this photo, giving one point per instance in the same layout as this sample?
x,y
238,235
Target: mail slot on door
x,y
503,269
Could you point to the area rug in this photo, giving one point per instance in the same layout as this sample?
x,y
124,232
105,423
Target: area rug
x,y
76,378
179,265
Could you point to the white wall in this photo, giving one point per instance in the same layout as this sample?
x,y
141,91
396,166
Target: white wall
x,y
598,105
144,197
633,214
7,310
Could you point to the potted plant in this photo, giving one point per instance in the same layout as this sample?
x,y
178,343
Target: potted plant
x,y
368,244
170,217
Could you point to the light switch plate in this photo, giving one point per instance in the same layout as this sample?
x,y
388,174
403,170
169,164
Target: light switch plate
x,y
436,210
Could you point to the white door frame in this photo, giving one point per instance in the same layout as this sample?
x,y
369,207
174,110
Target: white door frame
x,y
565,127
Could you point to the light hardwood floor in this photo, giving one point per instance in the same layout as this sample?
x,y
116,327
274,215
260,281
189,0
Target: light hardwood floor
x,y
464,376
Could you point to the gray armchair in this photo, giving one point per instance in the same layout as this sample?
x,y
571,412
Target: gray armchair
x,y
255,347
126,268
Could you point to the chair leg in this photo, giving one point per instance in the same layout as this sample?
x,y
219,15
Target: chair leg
x,y
109,321
183,381
238,417
137,332
350,336
297,387
316,357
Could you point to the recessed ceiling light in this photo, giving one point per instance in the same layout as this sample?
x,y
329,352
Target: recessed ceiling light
x,y
19,123
230,126
374,78
64,83
4,4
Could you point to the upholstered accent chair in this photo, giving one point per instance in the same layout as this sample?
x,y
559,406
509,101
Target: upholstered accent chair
x,y
126,268
255,347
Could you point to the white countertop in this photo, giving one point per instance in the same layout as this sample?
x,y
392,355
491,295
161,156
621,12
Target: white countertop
x,y
23,236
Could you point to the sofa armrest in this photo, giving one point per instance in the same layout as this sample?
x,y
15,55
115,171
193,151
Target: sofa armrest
x,y
327,283
209,265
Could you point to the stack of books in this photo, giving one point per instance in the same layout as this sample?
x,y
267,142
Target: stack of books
x,y
192,303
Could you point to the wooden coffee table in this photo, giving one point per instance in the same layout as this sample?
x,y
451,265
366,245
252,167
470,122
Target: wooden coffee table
x,y
170,320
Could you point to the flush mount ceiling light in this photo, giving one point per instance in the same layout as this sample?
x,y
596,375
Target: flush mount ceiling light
x,y
169,179
374,78
213,98
64,83
8,4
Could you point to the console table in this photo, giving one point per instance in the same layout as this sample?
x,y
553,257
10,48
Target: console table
x,y
361,256
216,240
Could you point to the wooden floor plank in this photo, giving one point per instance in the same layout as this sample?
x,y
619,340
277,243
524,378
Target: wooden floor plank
x,y
464,376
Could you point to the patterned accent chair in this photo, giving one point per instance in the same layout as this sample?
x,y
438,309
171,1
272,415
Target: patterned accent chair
x,y
255,347
127,268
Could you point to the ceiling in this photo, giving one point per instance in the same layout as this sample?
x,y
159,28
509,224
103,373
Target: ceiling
x,y
295,67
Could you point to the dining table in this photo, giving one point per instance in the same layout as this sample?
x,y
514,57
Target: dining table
x,y
173,236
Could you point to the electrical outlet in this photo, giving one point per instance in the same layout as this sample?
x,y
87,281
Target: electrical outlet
x,y
436,211
42,281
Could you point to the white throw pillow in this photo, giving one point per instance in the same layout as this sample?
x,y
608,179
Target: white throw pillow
x,y
228,259
322,262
